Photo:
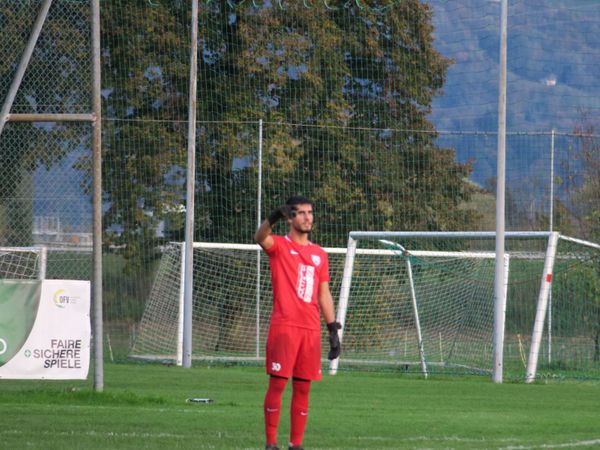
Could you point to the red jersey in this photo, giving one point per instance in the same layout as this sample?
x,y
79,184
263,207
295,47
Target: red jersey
x,y
296,273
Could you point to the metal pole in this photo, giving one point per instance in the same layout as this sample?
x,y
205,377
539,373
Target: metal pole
x,y
50,118
551,230
97,199
258,222
415,306
18,78
552,180
499,289
190,191
181,305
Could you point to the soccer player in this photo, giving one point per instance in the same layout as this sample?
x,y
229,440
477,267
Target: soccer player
x,y
300,281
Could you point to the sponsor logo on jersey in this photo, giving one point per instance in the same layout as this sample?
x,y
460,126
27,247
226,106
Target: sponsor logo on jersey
x,y
293,252
305,283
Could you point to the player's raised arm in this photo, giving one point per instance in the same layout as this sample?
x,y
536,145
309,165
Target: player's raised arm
x,y
263,235
264,231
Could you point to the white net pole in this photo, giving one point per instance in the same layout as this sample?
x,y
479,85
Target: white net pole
x,y
180,315
538,326
258,222
415,306
344,295
190,192
499,301
43,262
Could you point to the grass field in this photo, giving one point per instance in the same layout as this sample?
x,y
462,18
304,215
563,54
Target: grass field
x,y
144,406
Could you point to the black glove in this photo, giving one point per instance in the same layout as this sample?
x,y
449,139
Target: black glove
x,y
281,212
334,340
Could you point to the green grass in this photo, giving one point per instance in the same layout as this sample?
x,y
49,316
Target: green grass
x,y
144,406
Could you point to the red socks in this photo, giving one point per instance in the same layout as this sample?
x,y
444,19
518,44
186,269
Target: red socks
x,y
298,411
272,407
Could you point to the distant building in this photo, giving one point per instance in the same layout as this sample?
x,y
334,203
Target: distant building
x,y
48,231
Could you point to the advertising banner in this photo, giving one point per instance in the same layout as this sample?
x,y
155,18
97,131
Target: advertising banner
x,y
44,329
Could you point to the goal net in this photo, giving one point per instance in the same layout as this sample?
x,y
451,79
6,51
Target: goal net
x,y
22,262
425,301
418,308
232,302
413,302
231,290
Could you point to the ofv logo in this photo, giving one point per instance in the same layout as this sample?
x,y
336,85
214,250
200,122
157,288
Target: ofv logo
x,y
61,299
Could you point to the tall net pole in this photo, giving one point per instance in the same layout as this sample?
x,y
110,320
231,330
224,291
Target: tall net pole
x,y
97,199
258,222
191,181
499,290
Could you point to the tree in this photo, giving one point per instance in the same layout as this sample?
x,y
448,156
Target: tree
x,y
145,69
345,93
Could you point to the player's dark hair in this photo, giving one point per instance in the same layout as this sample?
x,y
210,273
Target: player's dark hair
x,y
299,200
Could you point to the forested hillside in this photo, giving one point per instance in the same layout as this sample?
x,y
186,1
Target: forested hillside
x,y
553,61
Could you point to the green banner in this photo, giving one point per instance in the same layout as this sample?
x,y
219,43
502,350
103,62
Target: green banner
x,y
19,301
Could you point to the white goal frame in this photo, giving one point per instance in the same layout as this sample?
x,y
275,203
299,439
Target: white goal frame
x,y
352,250
498,332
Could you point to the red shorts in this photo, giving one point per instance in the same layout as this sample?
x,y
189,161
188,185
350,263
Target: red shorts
x,y
294,352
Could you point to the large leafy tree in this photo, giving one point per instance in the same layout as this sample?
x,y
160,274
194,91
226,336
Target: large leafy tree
x,y
343,94
145,69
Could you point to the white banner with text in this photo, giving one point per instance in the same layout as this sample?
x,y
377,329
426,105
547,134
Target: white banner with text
x,y
44,329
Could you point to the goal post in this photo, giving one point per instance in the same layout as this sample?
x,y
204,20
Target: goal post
x,y
230,285
404,258
394,248
232,301
542,306
581,255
